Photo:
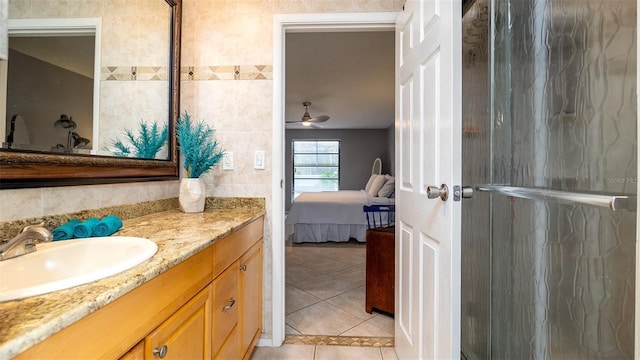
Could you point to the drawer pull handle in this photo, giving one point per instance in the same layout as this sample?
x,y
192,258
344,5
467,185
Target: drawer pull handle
x,y
162,352
232,302
243,267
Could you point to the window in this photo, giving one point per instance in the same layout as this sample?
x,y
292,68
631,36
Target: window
x,y
316,166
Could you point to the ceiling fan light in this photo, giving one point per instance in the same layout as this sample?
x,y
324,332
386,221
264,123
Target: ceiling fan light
x,y
306,123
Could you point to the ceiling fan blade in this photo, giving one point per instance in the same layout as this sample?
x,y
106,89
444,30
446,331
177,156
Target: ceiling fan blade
x,y
292,121
316,125
321,118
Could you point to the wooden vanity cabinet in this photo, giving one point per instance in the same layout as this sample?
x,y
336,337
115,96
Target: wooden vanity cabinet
x,y
198,309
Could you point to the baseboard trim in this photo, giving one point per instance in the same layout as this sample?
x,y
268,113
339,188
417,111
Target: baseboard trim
x,y
265,342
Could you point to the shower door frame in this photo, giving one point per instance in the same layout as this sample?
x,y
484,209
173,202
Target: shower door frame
x,y
637,295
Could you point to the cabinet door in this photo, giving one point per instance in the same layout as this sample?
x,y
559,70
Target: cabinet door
x,y
186,333
136,352
229,350
225,310
251,305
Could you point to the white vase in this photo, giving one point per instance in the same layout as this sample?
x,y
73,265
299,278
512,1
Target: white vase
x,y
192,195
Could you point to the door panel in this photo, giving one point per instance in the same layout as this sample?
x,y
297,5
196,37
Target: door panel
x,y
406,320
406,124
429,253
428,127
431,109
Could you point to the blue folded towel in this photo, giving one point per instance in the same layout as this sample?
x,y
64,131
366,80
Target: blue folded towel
x,y
107,226
65,231
85,228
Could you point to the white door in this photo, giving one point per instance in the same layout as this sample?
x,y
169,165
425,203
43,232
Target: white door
x,y
428,144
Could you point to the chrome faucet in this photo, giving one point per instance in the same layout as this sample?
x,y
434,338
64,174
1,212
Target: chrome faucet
x,y
25,241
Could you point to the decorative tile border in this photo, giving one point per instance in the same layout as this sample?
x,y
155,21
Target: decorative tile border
x,y
227,72
134,73
339,340
187,73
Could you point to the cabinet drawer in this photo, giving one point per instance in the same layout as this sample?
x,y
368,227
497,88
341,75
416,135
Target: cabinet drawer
x,y
229,249
225,306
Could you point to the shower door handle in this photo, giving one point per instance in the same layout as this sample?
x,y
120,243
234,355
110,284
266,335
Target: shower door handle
x,y
610,201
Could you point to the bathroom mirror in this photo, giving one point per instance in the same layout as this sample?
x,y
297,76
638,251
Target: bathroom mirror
x,y
121,72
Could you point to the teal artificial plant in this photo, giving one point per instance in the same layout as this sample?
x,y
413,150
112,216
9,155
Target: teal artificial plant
x,y
200,150
145,145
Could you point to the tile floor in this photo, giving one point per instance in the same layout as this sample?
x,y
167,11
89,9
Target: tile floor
x,y
323,352
325,292
325,295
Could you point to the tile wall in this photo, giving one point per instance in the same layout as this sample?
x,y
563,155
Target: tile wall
x,y
239,34
218,36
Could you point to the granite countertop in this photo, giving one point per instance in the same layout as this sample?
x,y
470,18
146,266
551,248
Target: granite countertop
x,y
24,323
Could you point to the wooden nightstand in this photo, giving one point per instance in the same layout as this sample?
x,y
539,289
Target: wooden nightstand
x,y
380,282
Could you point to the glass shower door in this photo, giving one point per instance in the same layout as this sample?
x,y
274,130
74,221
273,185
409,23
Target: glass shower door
x,y
561,186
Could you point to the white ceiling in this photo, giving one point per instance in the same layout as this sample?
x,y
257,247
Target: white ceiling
x,y
346,75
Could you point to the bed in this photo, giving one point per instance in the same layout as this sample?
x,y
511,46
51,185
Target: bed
x,y
338,215
330,215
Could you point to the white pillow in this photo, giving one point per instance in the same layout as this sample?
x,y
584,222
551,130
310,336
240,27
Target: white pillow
x,y
376,185
368,186
388,189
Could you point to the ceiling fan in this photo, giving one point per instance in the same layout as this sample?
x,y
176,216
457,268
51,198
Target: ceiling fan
x,y
307,120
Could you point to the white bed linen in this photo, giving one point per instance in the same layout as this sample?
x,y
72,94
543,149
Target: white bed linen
x,y
330,215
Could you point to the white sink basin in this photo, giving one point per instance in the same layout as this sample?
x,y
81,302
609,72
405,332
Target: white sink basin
x,y
64,264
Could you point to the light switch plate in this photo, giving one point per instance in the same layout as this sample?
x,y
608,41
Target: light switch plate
x,y
258,160
227,161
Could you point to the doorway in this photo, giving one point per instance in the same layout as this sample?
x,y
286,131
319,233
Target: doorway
x,y
282,25
59,57
347,90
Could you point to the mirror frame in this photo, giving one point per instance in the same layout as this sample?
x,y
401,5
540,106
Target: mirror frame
x,y
22,169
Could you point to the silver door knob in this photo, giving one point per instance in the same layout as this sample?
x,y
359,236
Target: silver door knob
x,y
441,192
